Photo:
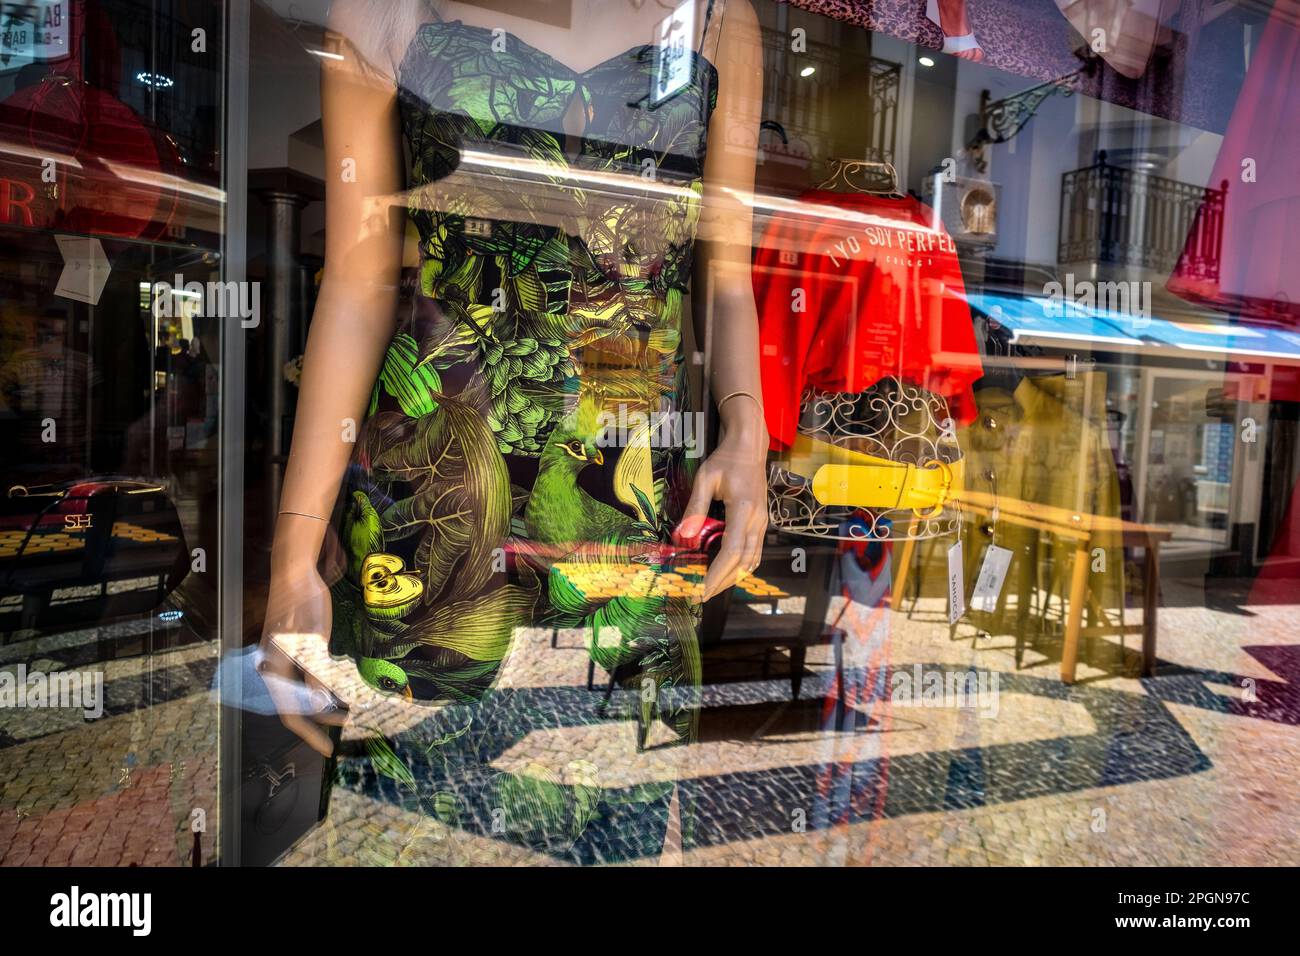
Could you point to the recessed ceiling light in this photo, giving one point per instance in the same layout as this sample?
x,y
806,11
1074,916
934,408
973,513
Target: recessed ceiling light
x,y
155,81
808,71
925,61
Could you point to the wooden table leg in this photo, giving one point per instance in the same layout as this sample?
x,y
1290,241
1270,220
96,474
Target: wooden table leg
x,y
1078,591
1150,601
901,571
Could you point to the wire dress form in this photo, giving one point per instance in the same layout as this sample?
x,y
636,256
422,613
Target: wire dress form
x,y
891,419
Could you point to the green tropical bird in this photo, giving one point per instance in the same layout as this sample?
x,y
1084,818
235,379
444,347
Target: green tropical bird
x,y
364,535
384,675
559,511
453,652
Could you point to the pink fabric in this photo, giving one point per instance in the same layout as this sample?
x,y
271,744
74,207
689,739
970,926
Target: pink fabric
x,y
1261,228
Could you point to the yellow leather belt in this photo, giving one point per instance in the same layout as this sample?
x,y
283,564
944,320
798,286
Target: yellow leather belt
x,y
843,477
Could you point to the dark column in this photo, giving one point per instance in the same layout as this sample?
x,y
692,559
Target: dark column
x,y
284,193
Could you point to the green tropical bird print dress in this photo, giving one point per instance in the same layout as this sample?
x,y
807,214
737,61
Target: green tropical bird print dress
x,y
485,499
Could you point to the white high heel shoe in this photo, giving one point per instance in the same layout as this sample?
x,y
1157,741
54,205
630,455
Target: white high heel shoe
x,y
957,44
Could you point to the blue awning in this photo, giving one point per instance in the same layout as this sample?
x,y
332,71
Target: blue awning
x,y
1041,320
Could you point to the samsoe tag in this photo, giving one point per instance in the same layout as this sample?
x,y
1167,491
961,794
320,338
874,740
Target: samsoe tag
x,y
956,587
674,42
988,584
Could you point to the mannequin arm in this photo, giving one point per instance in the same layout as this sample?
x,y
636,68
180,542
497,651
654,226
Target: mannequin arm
x,y
735,471
355,313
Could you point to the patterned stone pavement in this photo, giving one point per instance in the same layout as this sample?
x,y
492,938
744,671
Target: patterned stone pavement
x,y
121,789
1195,766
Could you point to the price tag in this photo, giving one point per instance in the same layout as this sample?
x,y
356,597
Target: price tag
x,y
85,269
988,584
675,41
956,585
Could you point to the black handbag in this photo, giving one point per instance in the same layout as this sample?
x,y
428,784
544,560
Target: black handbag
x,y
87,551
284,788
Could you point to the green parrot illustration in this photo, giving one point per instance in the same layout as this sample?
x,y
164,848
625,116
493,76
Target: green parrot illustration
x,y
384,675
559,511
364,535
453,652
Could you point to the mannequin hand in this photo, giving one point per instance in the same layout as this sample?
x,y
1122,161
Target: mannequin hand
x,y
298,603
736,474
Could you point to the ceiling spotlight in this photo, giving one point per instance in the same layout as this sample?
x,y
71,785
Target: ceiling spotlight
x,y
808,71
925,61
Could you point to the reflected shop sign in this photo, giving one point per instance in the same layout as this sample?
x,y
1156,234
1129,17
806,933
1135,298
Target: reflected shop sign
x,y
32,31
77,200
16,200
74,157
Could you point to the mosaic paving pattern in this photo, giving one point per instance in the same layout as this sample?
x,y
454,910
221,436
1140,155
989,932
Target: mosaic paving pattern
x,y
1195,765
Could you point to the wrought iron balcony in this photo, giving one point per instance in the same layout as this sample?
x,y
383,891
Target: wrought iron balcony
x,y
1110,214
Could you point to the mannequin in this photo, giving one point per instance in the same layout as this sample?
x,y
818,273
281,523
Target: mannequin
x,y
542,301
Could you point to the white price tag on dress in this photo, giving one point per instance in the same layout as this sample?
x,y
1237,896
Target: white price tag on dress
x,y
988,584
956,585
674,41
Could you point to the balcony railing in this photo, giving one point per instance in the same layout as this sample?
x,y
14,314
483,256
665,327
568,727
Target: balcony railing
x,y
1110,214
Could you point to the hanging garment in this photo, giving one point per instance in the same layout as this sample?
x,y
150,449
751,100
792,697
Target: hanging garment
x,y
1045,445
852,779
1261,211
868,288
483,502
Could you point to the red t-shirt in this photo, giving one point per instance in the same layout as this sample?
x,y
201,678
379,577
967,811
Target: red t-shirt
x,y
868,289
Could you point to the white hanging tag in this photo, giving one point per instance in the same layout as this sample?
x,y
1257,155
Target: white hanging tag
x,y
85,269
988,584
674,41
956,586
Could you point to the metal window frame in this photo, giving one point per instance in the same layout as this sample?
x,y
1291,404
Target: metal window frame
x,y
234,261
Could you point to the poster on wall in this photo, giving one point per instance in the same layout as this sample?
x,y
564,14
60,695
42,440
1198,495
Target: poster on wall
x,y
1165,57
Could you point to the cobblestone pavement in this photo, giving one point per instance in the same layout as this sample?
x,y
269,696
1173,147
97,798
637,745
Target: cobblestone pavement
x,y
121,789
1194,766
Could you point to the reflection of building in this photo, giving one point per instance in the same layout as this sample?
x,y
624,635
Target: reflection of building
x,y
109,168
1181,379
1132,217
815,85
